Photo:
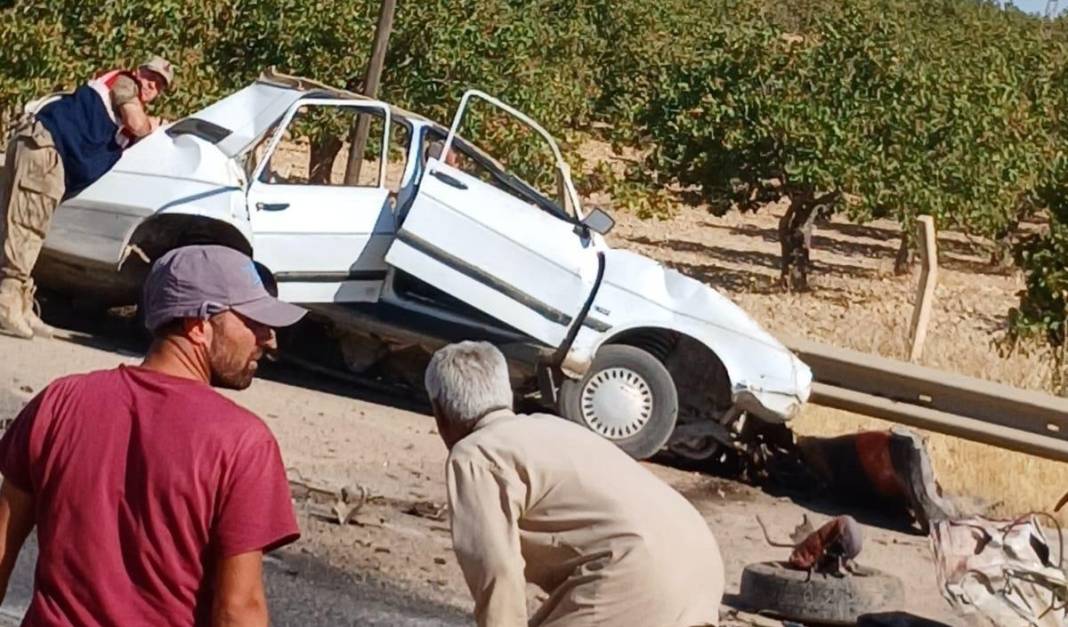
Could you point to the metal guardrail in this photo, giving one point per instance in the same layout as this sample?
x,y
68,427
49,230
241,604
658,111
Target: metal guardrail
x,y
935,400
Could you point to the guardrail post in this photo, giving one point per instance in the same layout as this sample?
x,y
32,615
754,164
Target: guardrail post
x,y
921,313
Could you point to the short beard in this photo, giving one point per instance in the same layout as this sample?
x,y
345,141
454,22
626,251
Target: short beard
x,y
225,371
231,382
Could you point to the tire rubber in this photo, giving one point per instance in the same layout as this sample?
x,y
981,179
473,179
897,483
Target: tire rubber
x,y
655,433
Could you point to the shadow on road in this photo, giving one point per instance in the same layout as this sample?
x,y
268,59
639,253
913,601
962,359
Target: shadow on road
x,y
305,592
873,511
302,592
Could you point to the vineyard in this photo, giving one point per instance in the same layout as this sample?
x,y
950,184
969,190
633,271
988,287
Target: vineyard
x,y
871,109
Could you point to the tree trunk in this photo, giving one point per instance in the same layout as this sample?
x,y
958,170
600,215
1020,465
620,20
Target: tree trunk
x,y
905,256
795,240
1001,258
321,159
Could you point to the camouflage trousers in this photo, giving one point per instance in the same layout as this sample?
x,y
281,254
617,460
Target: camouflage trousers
x,y
31,186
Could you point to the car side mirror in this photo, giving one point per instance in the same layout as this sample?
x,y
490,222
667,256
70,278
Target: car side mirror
x,y
599,221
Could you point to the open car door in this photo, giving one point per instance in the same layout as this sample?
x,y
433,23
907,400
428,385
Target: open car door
x,y
322,238
518,262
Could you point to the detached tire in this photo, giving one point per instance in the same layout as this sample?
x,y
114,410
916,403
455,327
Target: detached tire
x,y
628,397
783,592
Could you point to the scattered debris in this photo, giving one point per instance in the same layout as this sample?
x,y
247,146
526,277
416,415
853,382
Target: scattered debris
x,y
340,505
830,550
429,510
872,468
1002,571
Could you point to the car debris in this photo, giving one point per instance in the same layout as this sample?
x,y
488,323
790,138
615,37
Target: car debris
x,y
1003,572
870,468
339,505
830,550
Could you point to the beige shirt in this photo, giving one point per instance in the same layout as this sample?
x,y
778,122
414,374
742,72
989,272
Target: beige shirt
x,y
540,499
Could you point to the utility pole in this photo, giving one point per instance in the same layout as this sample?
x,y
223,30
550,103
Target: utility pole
x,y
1051,9
359,134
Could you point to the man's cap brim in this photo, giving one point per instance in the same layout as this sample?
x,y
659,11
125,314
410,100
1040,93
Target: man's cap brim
x,y
271,312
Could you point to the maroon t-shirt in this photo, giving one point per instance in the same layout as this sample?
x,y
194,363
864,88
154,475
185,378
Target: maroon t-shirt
x,y
142,482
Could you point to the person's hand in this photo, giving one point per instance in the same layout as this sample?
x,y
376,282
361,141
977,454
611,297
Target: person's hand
x,y
154,122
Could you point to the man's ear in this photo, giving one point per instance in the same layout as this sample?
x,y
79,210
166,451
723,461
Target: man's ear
x,y
198,331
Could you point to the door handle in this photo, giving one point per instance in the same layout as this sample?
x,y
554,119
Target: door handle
x,y
271,206
448,180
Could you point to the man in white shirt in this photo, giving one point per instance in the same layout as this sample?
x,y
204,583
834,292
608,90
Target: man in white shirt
x,y
542,500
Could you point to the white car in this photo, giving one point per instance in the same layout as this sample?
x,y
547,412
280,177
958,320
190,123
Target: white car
x,y
439,250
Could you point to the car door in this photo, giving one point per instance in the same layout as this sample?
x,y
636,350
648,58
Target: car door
x,y
494,249
324,240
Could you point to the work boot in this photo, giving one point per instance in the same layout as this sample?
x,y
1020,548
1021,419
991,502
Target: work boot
x,y
12,316
30,310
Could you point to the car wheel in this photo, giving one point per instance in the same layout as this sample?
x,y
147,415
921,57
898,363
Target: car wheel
x,y
626,396
825,599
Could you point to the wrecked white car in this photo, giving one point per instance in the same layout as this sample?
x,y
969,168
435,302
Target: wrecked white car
x,y
421,251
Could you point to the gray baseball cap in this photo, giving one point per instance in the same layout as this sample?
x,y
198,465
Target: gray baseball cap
x,y
201,281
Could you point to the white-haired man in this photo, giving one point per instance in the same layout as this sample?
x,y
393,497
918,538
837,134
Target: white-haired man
x,y
540,499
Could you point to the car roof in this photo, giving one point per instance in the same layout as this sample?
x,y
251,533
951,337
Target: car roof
x,y
312,87
248,113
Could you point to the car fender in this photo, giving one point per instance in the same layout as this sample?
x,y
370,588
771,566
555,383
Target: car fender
x,y
771,374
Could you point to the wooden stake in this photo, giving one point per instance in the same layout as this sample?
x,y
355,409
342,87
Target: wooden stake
x,y
921,313
358,144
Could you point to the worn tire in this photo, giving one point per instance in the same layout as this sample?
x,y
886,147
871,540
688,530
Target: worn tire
x,y
633,381
775,589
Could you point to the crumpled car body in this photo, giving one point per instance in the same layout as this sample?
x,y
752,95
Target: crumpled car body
x,y
1002,573
446,252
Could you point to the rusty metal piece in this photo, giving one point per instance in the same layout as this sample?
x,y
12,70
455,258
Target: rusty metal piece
x,y
830,550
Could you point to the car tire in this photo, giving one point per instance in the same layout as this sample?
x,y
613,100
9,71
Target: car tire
x,y
825,599
627,396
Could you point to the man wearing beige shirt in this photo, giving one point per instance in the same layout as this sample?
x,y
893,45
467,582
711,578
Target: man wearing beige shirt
x,y
542,500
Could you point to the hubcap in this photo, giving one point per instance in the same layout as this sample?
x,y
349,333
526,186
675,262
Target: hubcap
x,y
616,403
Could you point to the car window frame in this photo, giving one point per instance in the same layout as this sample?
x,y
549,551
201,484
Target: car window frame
x,y
317,100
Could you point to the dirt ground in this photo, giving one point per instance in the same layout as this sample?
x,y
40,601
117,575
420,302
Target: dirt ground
x,y
336,435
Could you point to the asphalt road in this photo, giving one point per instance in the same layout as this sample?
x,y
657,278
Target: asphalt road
x,y
301,590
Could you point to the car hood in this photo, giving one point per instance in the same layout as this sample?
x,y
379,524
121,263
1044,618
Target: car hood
x,y
681,295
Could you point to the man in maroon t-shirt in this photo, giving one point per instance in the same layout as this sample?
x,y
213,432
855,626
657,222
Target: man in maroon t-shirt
x,y
155,497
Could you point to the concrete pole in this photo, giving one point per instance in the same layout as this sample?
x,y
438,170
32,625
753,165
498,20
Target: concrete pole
x,y
370,89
